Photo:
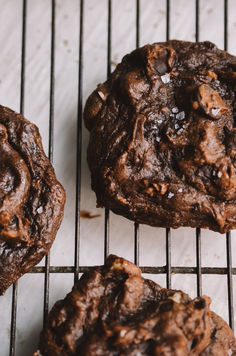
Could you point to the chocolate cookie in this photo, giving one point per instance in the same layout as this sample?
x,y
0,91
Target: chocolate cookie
x,y
162,147
113,311
31,198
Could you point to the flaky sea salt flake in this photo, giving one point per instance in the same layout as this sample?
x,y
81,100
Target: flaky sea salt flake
x,y
170,195
40,210
179,132
165,78
215,112
175,110
180,115
122,333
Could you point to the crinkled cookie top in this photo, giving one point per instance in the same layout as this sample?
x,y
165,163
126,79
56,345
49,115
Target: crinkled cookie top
x,y
163,138
113,311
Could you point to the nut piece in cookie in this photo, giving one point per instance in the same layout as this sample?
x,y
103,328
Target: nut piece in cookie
x,y
31,198
113,311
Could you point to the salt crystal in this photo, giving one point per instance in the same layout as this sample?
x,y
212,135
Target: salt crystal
x,y
122,333
165,78
215,112
180,115
176,126
158,139
170,195
40,210
175,110
172,115
219,174
159,121
179,132
180,190
214,173
176,297
230,352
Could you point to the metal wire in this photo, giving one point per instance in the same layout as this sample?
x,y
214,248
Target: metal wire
x,y
22,96
197,20
136,225
136,244
198,231
144,269
137,23
76,269
107,214
230,280
199,262
79,143
50,146
228,234
167,20
168,231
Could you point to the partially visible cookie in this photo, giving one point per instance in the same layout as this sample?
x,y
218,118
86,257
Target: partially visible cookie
x,y
162,147
222,339
31,198
113,311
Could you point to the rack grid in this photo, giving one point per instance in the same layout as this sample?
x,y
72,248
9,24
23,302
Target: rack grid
x,y
167,269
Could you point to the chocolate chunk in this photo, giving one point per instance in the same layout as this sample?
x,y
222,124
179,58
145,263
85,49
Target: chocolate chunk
x,y
113,311
167,119
31,198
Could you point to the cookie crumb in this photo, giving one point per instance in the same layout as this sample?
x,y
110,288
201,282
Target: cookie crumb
x,y
87,215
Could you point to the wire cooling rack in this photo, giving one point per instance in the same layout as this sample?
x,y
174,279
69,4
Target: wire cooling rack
x,y
48,269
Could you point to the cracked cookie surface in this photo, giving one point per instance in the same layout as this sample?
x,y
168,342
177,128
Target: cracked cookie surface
x,y
31,198
162,147
113,311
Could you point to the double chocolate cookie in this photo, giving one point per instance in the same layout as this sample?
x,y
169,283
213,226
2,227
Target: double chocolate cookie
x,y
31,198
162,147
113,311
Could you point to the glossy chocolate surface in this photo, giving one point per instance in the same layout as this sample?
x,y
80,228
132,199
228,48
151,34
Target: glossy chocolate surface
x,y
113,311
31,198
162,147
